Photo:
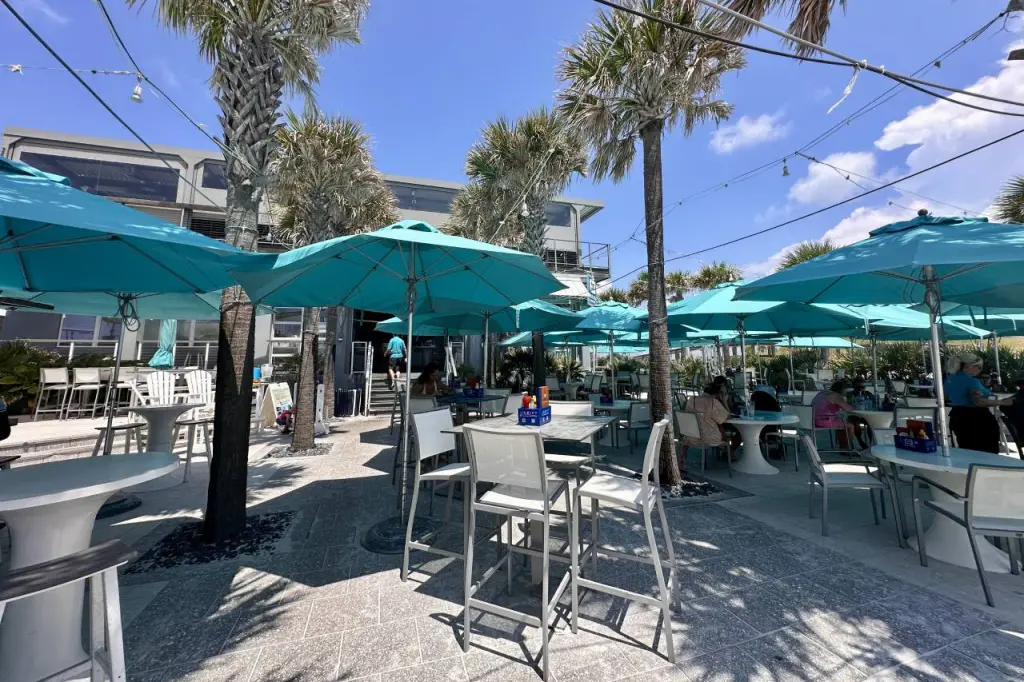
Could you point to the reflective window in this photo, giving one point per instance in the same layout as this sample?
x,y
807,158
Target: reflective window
x,y
110,178
215,175
183,332
206,330
287,323
109,329
151,330
559,214
77,328
422,198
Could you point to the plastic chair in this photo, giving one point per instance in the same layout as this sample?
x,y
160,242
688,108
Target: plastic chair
x,y
638,419
554,388
992,506
513,461
51,379
417,404
688,424
431,443
494,407
639,495
84,380
160,388
918,403
561,454
831,481
805,413
513,403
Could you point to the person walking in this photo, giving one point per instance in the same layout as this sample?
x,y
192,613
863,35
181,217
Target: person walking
x,y
396,359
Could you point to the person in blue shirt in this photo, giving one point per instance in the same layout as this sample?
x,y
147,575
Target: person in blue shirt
x,y
970,418
396,358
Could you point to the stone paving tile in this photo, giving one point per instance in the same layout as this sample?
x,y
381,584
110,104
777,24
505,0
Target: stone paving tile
x,y
1001,649
789,558
924,622
347,612
789,656
226,668
948,666
717,576
859,584
378,649
586,656
157,644
274,624
310,660
727,665
439,636
446,670
401,601
668,673
858,640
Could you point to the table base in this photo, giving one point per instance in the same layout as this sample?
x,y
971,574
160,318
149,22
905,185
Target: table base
x,y
118,504
163,483
751,460
388,536
947,541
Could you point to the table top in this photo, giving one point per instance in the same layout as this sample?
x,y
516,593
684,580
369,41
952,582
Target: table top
x,y
49,483
560,427
174,407
460,399
617,405
958,461
766,419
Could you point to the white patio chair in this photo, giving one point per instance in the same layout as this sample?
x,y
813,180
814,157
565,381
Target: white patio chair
x,y
570,455
555,391
98,565
513,461
160,388
918,403
84,380
899,388
51,380
992,506
644,496
493,408
126,378
200,390
417,404
637,419
431,443
688,424
821,477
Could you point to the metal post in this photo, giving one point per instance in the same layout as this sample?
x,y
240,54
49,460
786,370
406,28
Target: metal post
x,y
487,337
206,356
874,365
933,300
71,352
611,364
108,436
792,374
743,361
411,301
995,351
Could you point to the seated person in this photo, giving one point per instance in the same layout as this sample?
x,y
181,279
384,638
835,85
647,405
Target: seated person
x,y
860,393
712,415
828,406
780,381
429,383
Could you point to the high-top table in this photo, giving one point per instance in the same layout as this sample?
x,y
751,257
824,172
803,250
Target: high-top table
x,y
751,460
876,419
944,539
50,509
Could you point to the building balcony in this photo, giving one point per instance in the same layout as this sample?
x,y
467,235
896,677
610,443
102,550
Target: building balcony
x,y
564,255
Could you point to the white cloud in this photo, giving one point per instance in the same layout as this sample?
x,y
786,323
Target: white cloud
x,y
167,75
44,9
824,184
748,132
773,214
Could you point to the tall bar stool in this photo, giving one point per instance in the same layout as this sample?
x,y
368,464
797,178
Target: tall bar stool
x,y
512,460
642,496
432,441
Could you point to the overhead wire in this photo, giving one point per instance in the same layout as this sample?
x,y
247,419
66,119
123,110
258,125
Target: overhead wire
x,y
21,68
42,41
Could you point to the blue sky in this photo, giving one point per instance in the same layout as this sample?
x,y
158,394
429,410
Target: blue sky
x,y
429,75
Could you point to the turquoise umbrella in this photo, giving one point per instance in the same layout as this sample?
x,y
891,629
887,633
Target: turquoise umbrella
x,y
997,321
612,316
164,356
929,259
818,342
176,306
406,269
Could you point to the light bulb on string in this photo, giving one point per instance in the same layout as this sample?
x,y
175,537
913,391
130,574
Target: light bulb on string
x,y
785,168
525,212
137,90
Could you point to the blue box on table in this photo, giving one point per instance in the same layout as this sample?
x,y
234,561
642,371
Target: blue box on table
x,y
924,445
607,400
534,416
473,392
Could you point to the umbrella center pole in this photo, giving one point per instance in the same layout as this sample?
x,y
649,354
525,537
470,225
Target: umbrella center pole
x,y
129,319
933,299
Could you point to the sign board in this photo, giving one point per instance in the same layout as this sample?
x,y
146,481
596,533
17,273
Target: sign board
x,y
277,400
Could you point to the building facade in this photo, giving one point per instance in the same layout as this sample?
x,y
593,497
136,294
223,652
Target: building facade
x,y
192,194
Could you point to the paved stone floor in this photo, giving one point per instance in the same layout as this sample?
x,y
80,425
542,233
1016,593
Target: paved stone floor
x,y
762,596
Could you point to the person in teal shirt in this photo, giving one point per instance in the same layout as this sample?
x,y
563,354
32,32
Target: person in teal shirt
x,y
396,358
971,419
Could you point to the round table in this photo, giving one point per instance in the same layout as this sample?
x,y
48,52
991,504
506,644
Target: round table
x,y
876,419
751,460
944,539
160,420
50,509
618,409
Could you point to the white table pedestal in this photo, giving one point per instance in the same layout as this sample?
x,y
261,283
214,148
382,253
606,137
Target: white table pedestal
x,y
37,637
751,460
160,420
947,541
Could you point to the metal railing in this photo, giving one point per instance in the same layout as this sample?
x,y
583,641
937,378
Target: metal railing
x,y
200,354
71,349
567,255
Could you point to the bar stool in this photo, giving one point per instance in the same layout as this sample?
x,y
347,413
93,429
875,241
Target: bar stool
x,y
129,430
431,442
640,496
512,460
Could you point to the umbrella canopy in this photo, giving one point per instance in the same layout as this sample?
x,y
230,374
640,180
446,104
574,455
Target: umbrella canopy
x,y
164,356
594,339
901,323
57,238
174,306
1002,321
970,259
817,342
612,316
378,270
530,316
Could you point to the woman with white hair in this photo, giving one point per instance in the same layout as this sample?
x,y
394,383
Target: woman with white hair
x,y
971,420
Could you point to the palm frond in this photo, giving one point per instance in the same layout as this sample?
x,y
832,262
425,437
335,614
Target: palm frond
x,y
805,251
811,18
1009,205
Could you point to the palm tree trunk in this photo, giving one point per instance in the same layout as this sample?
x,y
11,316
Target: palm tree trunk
x,y
225,501
330,341
534,232
661,388
305,391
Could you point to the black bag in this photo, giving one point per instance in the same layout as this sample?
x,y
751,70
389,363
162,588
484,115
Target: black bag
x,y
5,422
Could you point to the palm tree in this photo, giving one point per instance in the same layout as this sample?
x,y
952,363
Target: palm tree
x,y
515,170
258,48
811,20
631,81
1009,205
715,274
321,169
805,251
474,215
638,289
614,294
678,284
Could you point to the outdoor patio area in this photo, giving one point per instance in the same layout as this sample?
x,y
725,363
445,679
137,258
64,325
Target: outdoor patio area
x,y
763,595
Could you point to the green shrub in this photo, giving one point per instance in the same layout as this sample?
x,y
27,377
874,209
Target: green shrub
x,y
19,372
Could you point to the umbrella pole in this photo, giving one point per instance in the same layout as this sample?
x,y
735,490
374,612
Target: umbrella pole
x,y
874,365
792,374
487,336
933,299
743,361
111,401
408,417
995,351
611,364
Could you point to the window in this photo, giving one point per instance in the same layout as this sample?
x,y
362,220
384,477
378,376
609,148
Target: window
x,y
559,214
110,178
287,323
77,328
215,175
206,330
109,329
422,198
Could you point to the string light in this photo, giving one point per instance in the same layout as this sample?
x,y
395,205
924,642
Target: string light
x,y
137,91
785,169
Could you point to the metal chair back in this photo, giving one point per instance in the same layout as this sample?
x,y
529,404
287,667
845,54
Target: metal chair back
x,y
921,402
429,428
86,375
688,425
651,456
507,457
817,467
53,375
994,492
805,413
564,409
